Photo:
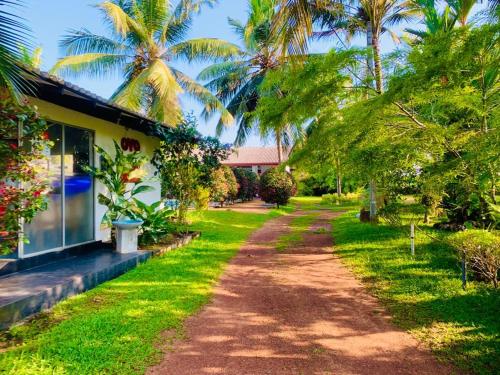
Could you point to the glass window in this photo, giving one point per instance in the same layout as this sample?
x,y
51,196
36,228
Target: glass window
x,y
76,218
78,186
45,231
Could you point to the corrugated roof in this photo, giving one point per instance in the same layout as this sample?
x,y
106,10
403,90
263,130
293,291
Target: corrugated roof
x,y
246,156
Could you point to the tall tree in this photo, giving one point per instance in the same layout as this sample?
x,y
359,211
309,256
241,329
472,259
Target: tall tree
x,y
236,83
146,36
296,18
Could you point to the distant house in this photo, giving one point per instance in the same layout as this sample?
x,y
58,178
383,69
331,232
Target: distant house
x,y
257,159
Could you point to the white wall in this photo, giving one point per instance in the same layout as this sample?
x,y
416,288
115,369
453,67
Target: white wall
x,y
104,134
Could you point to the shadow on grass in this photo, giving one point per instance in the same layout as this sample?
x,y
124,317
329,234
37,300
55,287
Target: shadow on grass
x,y
115,327
424,293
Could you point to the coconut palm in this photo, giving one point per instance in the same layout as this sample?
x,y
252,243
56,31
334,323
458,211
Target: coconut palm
x,y
146,37
13,34
295,20
236,83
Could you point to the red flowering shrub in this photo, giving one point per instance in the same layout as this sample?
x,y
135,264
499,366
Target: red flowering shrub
x,y
23,140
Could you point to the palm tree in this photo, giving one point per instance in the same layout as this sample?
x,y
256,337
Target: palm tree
x,y
296,18
13,34
434,21
146,36
294,26
236,83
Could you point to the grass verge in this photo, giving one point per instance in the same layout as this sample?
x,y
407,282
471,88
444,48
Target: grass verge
x,y
116,327
298,226
424,293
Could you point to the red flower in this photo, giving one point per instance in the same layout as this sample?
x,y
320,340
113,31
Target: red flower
x,y
13,146
37,193
45,136
4,233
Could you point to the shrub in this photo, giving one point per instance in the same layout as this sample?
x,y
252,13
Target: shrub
x,y
223,185
349,199
202,198
157,224
248,184
482,252
232,183
185,161
276,186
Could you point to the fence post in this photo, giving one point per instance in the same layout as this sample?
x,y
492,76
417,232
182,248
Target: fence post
x,y
412,239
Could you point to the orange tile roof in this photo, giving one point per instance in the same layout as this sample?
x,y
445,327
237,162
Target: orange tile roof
x,y
246,156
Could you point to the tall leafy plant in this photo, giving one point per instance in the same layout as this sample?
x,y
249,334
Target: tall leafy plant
x,y
185,161
123,177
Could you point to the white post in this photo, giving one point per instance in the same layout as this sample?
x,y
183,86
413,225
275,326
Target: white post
x,y
412,239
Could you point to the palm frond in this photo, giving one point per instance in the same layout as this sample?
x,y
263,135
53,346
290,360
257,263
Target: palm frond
x,y
13,33
91,64
122,22
204,49
77,42
211,104
223,69
166,91
154,13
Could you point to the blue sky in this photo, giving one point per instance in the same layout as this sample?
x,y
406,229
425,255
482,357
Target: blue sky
x,y
51,19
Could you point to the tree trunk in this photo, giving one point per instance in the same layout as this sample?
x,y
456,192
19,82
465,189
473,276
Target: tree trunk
x,y
339,178
369,59
379,83
370,71
278,146
373,201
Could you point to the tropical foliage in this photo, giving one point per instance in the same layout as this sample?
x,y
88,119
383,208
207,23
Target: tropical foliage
x,y
236,83
145,37
14,35
123,175
185,161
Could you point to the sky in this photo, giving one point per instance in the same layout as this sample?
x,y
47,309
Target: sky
x,y
50,20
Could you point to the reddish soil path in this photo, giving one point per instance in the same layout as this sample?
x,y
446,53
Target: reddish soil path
x,y
296,312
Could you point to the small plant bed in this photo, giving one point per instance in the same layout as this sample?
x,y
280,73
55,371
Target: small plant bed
x,y
171,242
116,328
424,293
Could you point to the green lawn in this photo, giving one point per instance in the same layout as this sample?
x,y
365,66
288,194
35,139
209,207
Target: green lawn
x,y
425,294
115,328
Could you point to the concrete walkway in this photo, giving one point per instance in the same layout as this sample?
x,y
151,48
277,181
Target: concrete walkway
x,y
294,312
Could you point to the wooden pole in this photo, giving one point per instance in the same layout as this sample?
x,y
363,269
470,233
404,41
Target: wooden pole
x,y
412,239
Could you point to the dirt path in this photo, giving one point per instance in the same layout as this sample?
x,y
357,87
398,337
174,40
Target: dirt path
x,y
294,312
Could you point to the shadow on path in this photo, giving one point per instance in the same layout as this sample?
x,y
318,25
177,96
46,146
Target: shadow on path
x,y
295,312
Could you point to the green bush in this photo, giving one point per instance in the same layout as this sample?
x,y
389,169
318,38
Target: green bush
x,y
276,186
248,184
157,221
224,186
349,199
482,252
202,198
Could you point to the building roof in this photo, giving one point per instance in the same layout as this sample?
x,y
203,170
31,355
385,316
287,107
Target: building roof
x,y
248,156
55,90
